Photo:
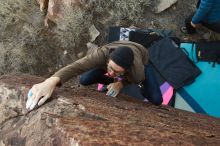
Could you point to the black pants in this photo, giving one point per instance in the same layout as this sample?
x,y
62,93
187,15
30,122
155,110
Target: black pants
x,y
190,30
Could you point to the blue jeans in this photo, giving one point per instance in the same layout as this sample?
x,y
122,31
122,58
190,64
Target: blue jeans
x,y
149,90
190,29
213,26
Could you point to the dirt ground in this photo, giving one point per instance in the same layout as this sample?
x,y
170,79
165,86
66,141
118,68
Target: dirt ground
x,y
27,46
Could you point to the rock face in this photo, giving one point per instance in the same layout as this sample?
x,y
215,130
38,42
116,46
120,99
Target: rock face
x,y
164,4
55,8
81,116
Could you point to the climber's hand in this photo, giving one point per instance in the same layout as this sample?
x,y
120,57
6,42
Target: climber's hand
x,y
39,93
114,89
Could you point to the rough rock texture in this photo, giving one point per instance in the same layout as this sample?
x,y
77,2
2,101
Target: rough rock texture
x,y
80,116
55,8
164,4
27,46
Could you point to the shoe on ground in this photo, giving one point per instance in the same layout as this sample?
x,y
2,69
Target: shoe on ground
x,y
185,31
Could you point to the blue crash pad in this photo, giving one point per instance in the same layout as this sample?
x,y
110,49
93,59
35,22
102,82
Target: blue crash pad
x,y
203,94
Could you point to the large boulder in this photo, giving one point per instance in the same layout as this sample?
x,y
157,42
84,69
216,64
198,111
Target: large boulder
x,y
80,116
163,5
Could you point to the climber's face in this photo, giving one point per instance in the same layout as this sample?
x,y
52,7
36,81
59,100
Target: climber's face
x,y
114,70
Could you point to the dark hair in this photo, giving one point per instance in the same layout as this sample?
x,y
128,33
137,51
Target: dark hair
x,y
122,56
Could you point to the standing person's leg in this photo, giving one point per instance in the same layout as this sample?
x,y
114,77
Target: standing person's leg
x,y
94,76
151,89
189,28
198,3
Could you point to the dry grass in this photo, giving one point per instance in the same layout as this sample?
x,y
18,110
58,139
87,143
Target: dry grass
x,y
119,9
